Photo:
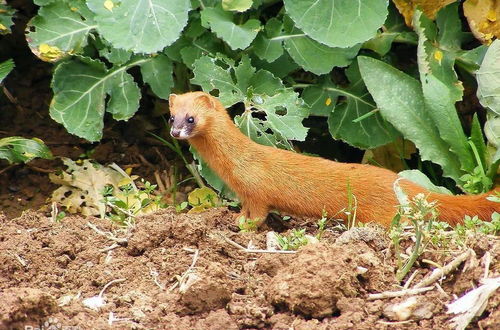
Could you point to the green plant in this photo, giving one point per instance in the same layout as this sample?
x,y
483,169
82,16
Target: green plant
x,y
247,225
274,63
293,241
422,215
129,201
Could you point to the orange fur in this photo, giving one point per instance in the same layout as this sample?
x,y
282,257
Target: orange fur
x,y
266,178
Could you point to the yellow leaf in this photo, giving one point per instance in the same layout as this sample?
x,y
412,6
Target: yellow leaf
x,y
482,17
203,198
438,55
429,7
128,170
328,101
49,53
2,27
108,4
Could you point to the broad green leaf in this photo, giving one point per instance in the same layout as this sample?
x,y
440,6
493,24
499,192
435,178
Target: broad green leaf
x,y
237,36
340,23
370,132
321,97
268,44
261,92
17,149
215,74
115,55
492,131
488,79
313,56
80,87
476,136
5,68
394,27
157,73
57,30
440,84
206,44
142,26
237,5
6,14
471,59
284,113
422,180
280,68
403,106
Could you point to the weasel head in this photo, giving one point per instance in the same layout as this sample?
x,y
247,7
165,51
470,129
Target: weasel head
x,y
191,114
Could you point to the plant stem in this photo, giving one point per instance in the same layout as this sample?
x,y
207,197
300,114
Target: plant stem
x,y
414,255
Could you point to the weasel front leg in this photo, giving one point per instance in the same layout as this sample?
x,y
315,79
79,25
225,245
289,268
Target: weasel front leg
x,y
255,214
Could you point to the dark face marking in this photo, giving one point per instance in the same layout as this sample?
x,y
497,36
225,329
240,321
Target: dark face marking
x,y
182,128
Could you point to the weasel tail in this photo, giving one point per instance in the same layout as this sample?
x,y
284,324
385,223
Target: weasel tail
x,y
266,178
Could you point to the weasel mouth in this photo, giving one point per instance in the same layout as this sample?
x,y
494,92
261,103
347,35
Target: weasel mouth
x,y
180,134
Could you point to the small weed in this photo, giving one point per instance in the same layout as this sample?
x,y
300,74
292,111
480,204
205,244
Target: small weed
x,y
129,201
295,240
422,214
247,225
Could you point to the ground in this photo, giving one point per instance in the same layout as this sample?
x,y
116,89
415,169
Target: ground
x,y
48,269
183,271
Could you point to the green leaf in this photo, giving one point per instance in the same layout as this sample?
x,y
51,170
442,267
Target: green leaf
x,y
6,14
280,68
321,97
157,73
261,92
16,149
115,55
401,102
143,26
211,178
488,79
368,133
215,74
422,180
57,30
237,5
80,87
476,136
441,87
206,44
394,27
5,68
313,56
267,45
237,36
340,23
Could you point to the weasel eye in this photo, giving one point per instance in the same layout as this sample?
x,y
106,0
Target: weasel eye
x,y
171,119
190,120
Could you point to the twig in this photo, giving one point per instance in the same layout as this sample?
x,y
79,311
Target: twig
x,y
39,169
12,99
188,278
486,262
440,272
119,280
8,168
411,278
440,289
108,235
244,249
400,293
109,248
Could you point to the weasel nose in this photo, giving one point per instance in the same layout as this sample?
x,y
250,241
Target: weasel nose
x,y
175,132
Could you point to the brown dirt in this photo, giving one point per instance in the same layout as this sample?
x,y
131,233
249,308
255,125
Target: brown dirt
x,y
48,269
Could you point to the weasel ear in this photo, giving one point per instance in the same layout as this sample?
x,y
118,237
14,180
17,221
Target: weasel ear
x,y
207,101
171,99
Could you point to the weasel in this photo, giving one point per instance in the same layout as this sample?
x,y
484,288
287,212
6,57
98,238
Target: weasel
x,y
267,178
